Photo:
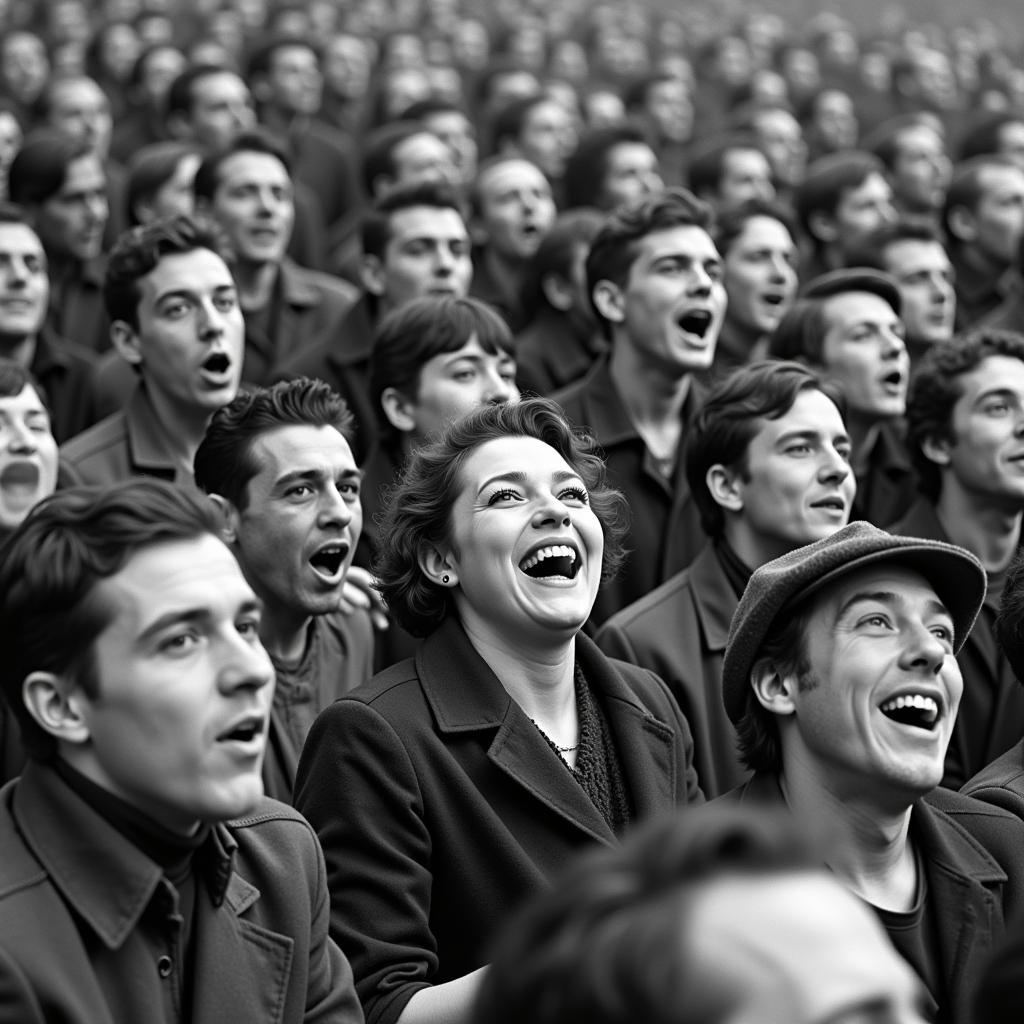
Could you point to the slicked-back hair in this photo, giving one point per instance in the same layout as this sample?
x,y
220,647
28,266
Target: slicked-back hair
x,y
140,249
410,336
965,188
730,224
226,460
379,150
181,95
150,169
511,120
587,166
40,168
418,512
607,944
616,245
733,414
871,251
375,230
936,387
708,164
50,567
1010,619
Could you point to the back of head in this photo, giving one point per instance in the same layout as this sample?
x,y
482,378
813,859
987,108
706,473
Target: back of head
x,y
587,166
225,460
610,942
40,168
51,565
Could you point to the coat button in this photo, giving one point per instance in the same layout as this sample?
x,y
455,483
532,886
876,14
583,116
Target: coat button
x,y
164,966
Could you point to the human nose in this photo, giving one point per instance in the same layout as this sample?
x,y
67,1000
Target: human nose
x,y
244,664
444,259
499,389
334,509
553,512
834,466
22,441
17,273
211,321
923,649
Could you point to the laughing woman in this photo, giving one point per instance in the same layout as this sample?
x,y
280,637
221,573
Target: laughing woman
x,y
453,785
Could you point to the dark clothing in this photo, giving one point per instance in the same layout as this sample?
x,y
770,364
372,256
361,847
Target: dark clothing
x,y
66,371
973,861
322,159
89,930
552,352
1002,782
888,486
665,532
1008,315
734,349
678,632
978,292
991,716
337,658
500,292
341,358
305,305
441,807
77,310
128,444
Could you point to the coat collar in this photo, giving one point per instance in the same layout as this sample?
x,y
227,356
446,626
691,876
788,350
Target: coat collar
x,y
295,287
713,598
106,879
465,696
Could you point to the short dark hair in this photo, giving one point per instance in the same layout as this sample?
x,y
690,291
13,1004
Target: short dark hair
x,y
886,140
871,251
984,137
511,119
40,168
379,150
828,179
1010,619
935,388
150,169
422,328
587,166
375,230
14,378
605,944
43,106
140,249
732,415
708,164
256,140
49,569
225,460
965,188
555,254
418,511
615,247
261,58
181,95
729,224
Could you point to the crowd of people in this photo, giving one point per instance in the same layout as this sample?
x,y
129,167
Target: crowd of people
x,y
509,512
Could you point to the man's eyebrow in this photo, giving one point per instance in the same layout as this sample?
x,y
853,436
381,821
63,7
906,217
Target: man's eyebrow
x,y
192,616
317,473
189,293
997,390
891,598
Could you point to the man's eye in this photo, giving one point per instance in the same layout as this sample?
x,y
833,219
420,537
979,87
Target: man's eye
x,y
179,643
249,628
299,491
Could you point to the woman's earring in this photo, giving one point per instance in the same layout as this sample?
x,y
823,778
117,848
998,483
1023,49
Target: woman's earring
x,y
445,578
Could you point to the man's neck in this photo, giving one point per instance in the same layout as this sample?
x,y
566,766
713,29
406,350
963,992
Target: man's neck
x,y
863,438
183,428
653,400
284,633
873,857
989,531
255,282
19,350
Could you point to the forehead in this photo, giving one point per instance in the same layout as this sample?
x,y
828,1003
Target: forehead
x,y
683,239
762,230
426,222
855,307
199,270
84,173
874,184
76,92
26,401
811,410
292,55
742,157
881,578
224,85
172,576
252,166
472,349
19,238
630,154
908,254
302,446
509,176
421,146
505,455
994,372
920,137
998,181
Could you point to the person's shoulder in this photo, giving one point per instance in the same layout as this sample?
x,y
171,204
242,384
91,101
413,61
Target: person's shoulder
x,y
1001,783
998,831
656,611
94,445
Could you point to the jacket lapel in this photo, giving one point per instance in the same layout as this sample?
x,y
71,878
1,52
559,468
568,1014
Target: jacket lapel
x,y
251,964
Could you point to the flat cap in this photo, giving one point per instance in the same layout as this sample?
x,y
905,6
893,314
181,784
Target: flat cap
x,y
855,279
955,574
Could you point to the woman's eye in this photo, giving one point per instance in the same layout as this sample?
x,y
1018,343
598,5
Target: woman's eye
x,y
576,494
505,494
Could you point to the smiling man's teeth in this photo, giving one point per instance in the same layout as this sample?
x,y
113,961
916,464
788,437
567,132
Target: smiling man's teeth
x,y
915,706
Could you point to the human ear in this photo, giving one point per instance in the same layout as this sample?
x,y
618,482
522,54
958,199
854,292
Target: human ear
x,y
609,301
125,339
773,690
822,226
371,273
399,410
936,450
557,291
437,566
228,515
55,706
723,484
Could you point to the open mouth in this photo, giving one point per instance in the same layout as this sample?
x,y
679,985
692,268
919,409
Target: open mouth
x,y
217,363
773,299
329,559
916,709
244,731
20,475
555,561
696,321
894,379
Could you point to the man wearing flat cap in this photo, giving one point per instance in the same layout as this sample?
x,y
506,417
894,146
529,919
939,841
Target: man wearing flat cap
x,y
846,326
841,678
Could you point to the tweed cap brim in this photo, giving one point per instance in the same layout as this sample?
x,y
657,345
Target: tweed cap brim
x,y
955,574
